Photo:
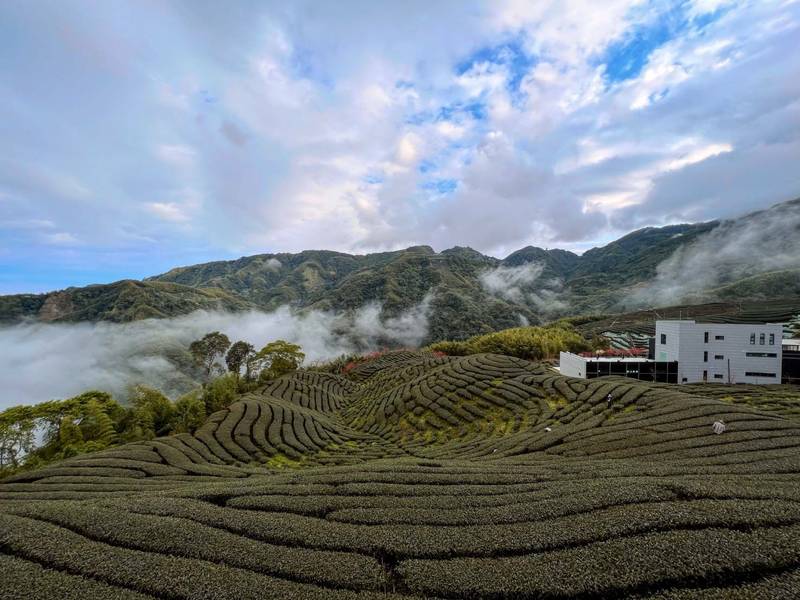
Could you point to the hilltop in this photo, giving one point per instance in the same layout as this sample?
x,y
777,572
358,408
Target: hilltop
x,y
466,292
427,476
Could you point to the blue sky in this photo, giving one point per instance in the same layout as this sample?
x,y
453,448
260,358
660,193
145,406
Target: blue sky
x,y
138,136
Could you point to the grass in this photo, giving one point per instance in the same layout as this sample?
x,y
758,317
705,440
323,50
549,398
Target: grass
x,y
425,476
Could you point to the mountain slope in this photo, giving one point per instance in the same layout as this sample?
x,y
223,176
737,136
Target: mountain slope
x,y
126,300
466,292
632,258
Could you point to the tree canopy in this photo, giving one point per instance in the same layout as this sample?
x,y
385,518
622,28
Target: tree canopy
x,y
240,354
208,349
279,357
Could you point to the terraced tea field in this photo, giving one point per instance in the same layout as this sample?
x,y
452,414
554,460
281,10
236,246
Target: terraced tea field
x,y
474,477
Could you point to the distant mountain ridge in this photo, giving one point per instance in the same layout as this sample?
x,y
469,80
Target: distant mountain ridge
x,y
468,293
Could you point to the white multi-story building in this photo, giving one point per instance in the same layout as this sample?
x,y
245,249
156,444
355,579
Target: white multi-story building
x,y
721,353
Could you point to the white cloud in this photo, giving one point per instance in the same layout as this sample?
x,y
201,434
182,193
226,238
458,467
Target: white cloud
x,y
697,155
169,211
508,282
523,284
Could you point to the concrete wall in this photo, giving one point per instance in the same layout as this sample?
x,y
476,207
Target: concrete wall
x,y
685,342
572,365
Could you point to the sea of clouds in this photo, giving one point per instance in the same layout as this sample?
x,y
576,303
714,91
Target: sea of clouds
x,y
44,361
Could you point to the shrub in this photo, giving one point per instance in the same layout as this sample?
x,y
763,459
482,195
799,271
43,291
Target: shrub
x,y
530,343
220,393
190,412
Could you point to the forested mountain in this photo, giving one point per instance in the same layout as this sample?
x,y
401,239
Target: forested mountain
x,y
466,292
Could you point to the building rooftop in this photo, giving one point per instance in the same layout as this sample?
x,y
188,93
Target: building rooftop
x,y
601,358
710,323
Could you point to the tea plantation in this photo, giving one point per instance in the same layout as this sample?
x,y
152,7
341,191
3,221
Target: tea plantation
x,y
416,476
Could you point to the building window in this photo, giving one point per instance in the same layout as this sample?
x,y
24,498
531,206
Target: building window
x,y
719,337
663,338
771,339
718,357
755,374
753,338
705,356
684,380
705,337
705,375
760,355
762,338
717,376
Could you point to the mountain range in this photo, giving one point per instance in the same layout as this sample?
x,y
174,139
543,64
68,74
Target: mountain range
x,y
465,292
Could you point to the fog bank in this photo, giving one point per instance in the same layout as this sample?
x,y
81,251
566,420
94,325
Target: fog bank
x,y
764,242
523,284
44,361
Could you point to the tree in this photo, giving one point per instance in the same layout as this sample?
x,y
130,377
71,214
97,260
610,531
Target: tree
x,y
16,441
279,357
190,413
70,438
35,435
239,355
208,349
153,410
96,427
220,393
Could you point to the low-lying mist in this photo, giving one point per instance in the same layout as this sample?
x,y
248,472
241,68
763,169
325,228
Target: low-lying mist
x,y
524,285
764,242
45,361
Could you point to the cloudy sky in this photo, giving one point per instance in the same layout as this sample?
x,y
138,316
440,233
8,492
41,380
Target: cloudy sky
x,y
137,136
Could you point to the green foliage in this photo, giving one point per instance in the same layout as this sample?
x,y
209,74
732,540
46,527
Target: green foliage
x,y
16,441
119,302
239,355
208,349
530,343
190,413
278,358
97,427
220,393
153,411
84,423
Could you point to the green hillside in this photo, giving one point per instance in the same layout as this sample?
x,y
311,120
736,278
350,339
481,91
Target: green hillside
x,y
632,258
467,292
126,300
421,476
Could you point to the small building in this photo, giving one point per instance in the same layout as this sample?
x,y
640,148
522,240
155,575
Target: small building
x,y
721,352
644,369
690,352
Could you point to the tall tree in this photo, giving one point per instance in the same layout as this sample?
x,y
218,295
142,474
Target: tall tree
x,y
239,355
16,441
208,349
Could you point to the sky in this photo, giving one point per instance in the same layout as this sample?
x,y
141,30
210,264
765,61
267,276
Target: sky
x,y
139,136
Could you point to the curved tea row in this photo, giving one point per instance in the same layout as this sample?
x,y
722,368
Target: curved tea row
x,y
473,477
